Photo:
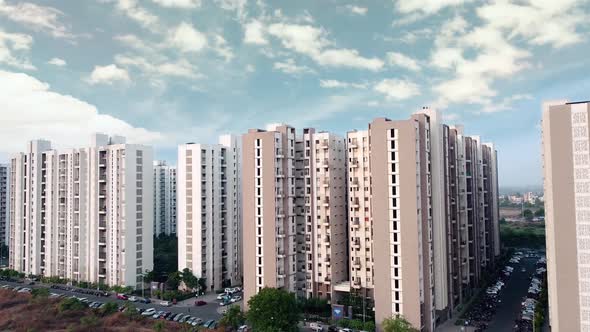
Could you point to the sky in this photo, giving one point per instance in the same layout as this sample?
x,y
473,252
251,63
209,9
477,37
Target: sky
x,y
167,72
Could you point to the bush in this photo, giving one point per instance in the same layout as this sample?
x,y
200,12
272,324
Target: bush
x,y
70,304
109,308
89,321
40,293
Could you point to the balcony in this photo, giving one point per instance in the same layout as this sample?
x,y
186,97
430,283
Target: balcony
x,y
326,183
325,144
354,163
356,223
102,241
356,244
280,175
354,183
281,234
327,260
356,284
281,273
355,202
326,201
353,144
327,279
326,162
281,253
356,263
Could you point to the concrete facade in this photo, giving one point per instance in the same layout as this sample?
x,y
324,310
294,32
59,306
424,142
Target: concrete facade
x,y
566,155
83,214
4,205
164,198
209,211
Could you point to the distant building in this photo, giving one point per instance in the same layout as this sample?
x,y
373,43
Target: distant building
x,y
4,205
164,198
83,214
209,211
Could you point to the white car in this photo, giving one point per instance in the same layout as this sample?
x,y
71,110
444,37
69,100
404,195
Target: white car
x,y
221,296
132,299
166,303
149,312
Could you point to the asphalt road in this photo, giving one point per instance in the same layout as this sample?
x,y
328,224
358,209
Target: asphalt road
x,y
512,295
206,312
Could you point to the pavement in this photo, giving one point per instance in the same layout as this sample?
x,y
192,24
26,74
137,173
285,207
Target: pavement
x,y
512,295
209,311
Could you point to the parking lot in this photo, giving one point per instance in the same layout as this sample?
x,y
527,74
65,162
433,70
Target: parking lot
x,y
206,312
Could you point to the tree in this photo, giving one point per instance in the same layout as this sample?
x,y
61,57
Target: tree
x,y
234,317
173,281
527,214
189,279
159,326
40,293
202,285
165,256
273,310
397,324
540,212
109,308
70,304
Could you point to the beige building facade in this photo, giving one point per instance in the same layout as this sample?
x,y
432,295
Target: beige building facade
x,y
566,154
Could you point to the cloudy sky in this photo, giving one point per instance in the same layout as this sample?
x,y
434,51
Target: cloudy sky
x,y
164,72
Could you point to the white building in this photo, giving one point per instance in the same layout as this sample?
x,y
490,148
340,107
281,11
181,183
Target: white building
x,y
83,214
164,198
209,211
4,211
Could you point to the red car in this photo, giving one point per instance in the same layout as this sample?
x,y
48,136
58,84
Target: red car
x,y
122,297
200,303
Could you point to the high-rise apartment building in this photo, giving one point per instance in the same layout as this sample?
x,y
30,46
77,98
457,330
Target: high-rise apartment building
x,y
4,211
566,154
164,198
295,223
326,249
209,211
402,211
453,234
83,214
270,241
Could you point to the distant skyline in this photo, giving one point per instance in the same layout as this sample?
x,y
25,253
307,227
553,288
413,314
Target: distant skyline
x,y
166,72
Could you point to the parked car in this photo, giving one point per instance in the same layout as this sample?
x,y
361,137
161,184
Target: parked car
x,y
144,300
184,318
207,323
177,317
200,303
317,327
243,328
149,312
158,314
221,296
197,321
122,297
166,303
132,299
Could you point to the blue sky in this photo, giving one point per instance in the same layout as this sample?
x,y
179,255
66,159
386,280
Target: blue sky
x,y
165,72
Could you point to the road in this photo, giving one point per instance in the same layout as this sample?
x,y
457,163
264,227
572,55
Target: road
x,y
515,290
206,312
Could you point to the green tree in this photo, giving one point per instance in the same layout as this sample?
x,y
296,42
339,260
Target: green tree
x,y
173,281
202,285
70,304
527,214
189,279
540,212
165,256
89,321
109,308
40,293
159,326
397,324
234,317
273,310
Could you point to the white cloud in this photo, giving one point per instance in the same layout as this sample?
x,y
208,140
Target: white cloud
x,y
12,49
254,33
311,41
348,58
395,89
401,60
250,68
540,22
62,119
179,3
334,84
239,6
36,17
156,70
290,67
137,13
477,58
108,75
132,41
187,39
426,6
505,104
357,9
57,62
222,48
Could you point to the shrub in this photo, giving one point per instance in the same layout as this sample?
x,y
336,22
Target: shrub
x,y
70,304
109,308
